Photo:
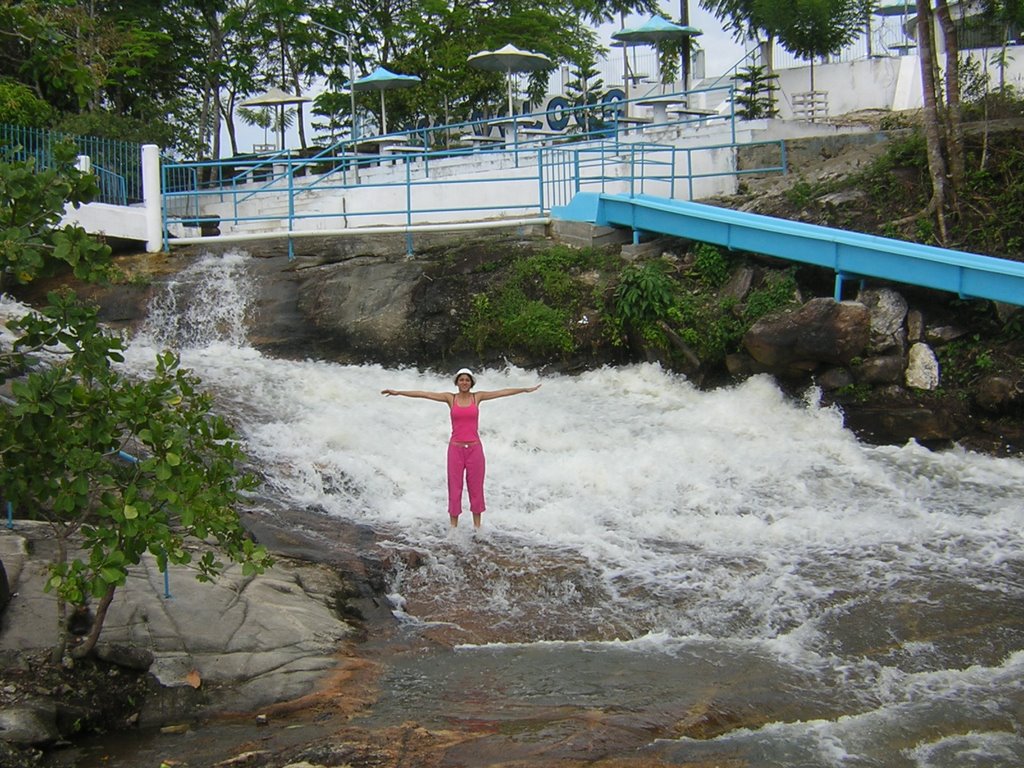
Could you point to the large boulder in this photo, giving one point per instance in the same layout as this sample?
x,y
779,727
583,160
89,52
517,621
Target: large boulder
x,y
364,304
821,331
888,312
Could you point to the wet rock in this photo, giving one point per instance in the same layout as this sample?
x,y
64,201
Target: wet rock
x,y
5,588
996,393
915,326
738,285
164,705
821,331
895,424
834,378
1005,311
943,334
130,657
843,199
29,722
740,364
706,721
922,368
887,369
364,303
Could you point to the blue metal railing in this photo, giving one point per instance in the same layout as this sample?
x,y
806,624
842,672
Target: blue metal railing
x,y
118,164
536,171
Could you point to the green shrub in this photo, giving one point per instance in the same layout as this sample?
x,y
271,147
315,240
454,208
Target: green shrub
x,y
533,309
778,290
710,265
644,294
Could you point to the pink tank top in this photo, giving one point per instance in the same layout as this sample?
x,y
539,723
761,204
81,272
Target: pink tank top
x,y
465,422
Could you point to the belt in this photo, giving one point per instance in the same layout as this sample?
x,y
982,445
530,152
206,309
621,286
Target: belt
x,y
464,445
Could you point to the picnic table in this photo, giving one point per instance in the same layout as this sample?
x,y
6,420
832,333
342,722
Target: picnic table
x,y
479,140
543,135
383,145
661,105
701,115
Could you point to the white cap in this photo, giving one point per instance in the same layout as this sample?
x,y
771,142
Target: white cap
x,y
466,371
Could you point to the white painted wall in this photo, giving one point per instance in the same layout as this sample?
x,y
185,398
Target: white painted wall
x,y
127,222
881,82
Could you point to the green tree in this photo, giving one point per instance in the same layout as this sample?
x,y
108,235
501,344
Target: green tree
x,y
755,94
813,28
19,106
433,39
585,91
117,467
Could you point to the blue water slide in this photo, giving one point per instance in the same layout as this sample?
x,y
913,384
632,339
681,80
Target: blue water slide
x,y
848,254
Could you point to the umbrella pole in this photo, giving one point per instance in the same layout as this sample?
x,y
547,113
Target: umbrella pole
x,y
625,63
508,78
383,115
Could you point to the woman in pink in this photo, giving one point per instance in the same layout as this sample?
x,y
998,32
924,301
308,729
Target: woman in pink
x,y
465,451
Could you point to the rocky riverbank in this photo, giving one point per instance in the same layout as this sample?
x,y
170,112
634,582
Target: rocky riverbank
x,y
177,654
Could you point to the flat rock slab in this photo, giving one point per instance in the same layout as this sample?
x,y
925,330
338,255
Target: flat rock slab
x,y
256,640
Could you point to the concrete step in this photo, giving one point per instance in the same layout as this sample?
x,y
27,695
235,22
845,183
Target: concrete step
x,y
584,235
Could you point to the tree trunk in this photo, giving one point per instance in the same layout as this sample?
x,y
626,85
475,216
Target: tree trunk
x,y
954,119
300,116
83,650
932,125
62,606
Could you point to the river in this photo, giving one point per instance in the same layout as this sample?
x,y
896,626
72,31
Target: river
x,y
663,573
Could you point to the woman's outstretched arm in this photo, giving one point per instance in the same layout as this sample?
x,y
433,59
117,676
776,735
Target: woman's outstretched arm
x,y
496,393
441,397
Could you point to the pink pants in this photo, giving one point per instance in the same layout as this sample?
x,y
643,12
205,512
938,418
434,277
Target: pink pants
x,y
465,461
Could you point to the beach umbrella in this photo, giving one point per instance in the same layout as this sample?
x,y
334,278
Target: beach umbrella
x,y
902,9
275,97
383,79
895,9
658,30
508,60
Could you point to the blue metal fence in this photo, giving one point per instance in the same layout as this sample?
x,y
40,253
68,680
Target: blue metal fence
x,y
536,169
117,164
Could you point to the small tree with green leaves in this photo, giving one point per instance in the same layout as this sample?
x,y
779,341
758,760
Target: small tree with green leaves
x,y
585,91
116,466
755,93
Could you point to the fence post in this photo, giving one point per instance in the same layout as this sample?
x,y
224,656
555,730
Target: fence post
x,y
152,198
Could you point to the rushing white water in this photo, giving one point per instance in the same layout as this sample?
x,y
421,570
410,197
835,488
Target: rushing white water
x,y
732,547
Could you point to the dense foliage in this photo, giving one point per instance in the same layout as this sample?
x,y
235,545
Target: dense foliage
x,y
32,201
173,72
553,303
